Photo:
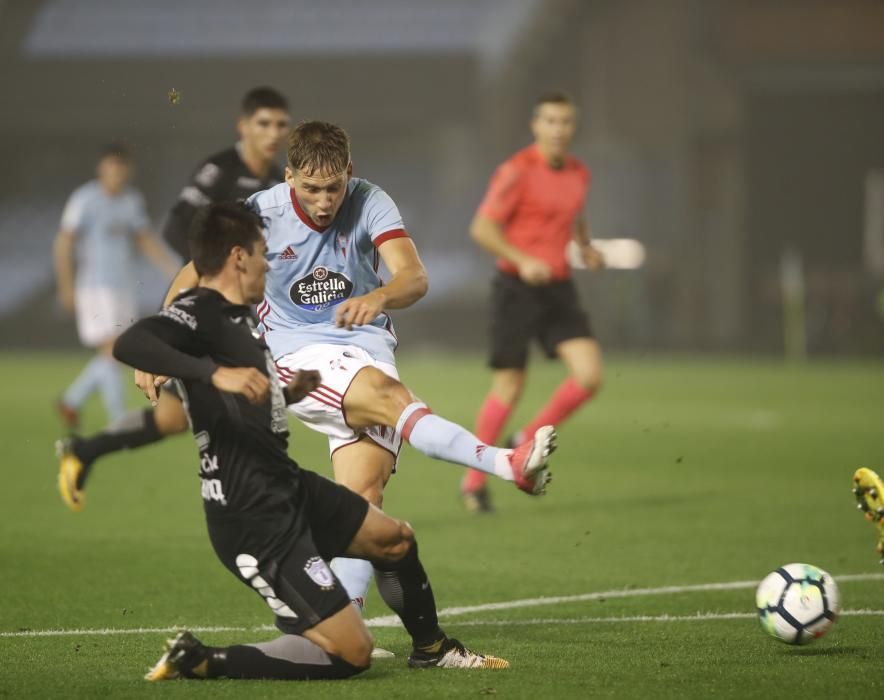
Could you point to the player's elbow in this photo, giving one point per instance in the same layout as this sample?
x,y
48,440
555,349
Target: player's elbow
x,y
421,283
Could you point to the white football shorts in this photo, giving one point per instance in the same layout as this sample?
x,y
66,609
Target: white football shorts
x,y
103,314
322,409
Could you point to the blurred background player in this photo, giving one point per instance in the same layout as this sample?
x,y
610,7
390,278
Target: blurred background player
x,y
531,212
232,174
237,172
94,269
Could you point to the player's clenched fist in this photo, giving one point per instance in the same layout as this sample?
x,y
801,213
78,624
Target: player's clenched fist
x,y
305,381
358,311
247,381
150,384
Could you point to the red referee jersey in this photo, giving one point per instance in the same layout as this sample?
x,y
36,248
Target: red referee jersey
x,y
537,206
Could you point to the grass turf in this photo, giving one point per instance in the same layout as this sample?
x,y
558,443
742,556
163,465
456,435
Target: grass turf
x,y
683,472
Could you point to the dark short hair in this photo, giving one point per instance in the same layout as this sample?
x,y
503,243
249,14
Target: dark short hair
x,y
553,97
319,147
219,228
116,149
262,98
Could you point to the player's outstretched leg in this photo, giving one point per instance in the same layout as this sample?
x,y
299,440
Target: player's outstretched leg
x,y
526,466
289,657
375,398
405,588
134,429
869,491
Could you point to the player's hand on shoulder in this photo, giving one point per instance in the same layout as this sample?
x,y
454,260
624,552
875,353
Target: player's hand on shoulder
x,y
359,311
305,381
534,272
592,257
247,381
150,384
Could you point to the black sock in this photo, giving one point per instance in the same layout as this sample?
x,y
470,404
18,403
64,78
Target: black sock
x,y
135,429
406,590
288,658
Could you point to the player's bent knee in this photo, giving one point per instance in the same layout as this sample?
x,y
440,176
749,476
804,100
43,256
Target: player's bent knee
x,y
374,494
589,379
355,650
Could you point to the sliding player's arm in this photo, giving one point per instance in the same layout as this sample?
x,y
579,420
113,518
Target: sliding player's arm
x,y
166,344
408,282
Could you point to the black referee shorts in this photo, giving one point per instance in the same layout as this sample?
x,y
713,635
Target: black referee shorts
x,y
285,560
521,313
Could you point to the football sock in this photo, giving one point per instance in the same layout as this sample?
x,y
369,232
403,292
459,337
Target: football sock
x,y
355,575
566,399
85,383
110,382
132,429
289,657
406,590
492,417
442,439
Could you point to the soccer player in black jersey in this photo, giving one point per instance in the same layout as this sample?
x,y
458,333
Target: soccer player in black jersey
x,y
230,175
237,172
273,524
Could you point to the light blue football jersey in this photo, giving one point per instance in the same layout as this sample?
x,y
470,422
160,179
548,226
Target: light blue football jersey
x,y
313,270
104,227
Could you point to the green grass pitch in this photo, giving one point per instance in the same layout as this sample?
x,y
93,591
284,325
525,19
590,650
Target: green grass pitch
x,y
681,473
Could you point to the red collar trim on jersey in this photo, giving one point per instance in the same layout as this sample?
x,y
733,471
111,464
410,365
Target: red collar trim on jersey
x,y
302,215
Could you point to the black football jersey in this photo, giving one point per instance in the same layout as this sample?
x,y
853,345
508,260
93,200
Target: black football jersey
x,y
223,177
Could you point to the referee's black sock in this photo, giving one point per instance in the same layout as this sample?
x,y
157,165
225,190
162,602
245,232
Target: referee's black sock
x,y
134,429
288,658
406,590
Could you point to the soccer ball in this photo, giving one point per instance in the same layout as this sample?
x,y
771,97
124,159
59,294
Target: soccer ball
x,y
797,603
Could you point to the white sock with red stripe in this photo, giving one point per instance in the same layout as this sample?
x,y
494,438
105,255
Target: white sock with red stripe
x,y
441,439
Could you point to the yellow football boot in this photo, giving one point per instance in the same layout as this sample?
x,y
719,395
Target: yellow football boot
x,y
70,473
869,491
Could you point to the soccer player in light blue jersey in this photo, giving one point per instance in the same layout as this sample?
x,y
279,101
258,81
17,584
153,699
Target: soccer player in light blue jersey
x,y
325,308
103,223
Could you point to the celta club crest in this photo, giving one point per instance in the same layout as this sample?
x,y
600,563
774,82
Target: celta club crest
x,y
319,573
321,289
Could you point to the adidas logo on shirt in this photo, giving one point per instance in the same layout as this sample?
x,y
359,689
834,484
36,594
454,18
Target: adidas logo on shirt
x,y
288,254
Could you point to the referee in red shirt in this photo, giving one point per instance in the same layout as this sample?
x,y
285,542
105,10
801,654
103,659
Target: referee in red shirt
x,y
532,210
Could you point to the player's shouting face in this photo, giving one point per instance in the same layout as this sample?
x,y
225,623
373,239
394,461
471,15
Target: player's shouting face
x,y
319,193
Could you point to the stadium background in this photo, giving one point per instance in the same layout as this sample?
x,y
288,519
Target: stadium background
x,y
720,133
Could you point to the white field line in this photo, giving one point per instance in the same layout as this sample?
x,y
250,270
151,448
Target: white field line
x,y
699,616
392,621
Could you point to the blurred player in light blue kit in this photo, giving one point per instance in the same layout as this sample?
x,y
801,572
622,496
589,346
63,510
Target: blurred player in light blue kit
x,y
104,221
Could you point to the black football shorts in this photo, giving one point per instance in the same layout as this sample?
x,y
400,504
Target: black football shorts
x,y
292,574
521,313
